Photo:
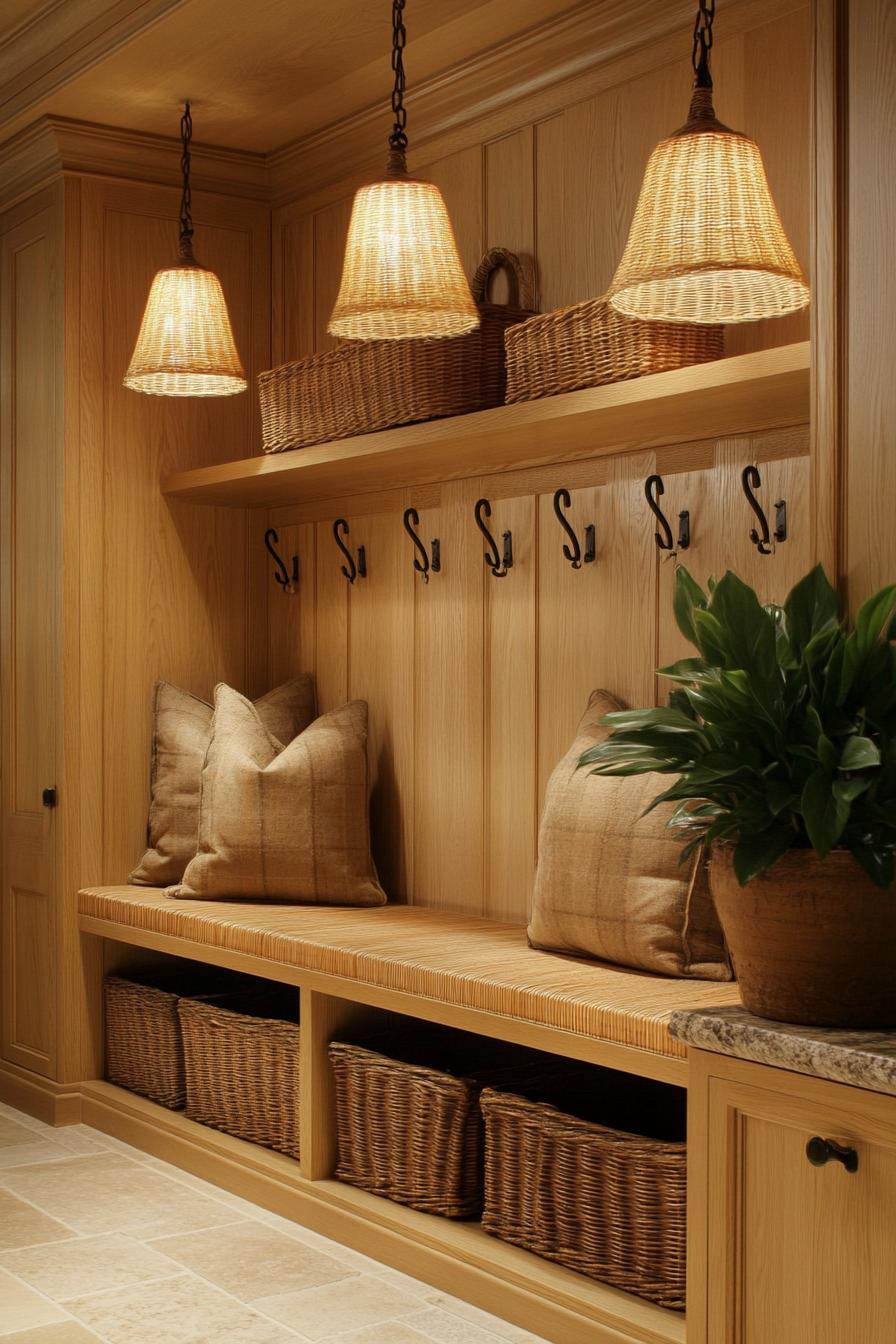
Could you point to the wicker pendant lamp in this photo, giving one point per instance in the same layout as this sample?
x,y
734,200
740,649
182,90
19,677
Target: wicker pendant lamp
x,y
185,347
402,276
706,244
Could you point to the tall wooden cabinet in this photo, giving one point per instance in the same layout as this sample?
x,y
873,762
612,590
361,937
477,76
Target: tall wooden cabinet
x,y
104,585
784,1251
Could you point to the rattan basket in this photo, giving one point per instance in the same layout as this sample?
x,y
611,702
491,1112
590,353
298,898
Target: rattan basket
x,y
144,1050
242,1067
366,385
411,1132
599,1198
589,344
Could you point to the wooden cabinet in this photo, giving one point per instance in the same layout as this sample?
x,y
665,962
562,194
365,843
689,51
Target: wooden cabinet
x,y
784,1251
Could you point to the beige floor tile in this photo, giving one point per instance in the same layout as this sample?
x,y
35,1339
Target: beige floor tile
x,y
65,1332
446,1328
390,1332
251,1260
36,1148
88,1265
78,1139
339,1308
473,1315
13,1132
398,1280
107,1192
178,1311
23,1225
361,1264
23,1309
29,1121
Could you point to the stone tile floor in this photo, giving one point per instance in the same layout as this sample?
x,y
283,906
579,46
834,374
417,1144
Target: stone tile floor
x,y
100,1243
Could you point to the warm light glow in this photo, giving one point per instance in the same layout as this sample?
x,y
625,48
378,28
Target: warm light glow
x,y
706,243
402,275
186,346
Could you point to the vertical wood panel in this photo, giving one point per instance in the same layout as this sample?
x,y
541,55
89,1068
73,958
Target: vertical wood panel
x,y
292,288
510,199
291,623
330,230
331,618
459,178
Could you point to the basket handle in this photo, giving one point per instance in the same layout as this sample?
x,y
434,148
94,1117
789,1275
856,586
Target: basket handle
x,y
501,258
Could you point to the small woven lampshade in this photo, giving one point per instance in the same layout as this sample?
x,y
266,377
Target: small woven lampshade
x,y
706,243
402,276
186,346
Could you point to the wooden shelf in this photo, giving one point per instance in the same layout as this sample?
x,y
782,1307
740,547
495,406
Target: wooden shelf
x,y
767,389
457,1257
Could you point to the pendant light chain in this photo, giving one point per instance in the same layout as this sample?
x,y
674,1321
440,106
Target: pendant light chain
x,y
703,44
398,140
186,200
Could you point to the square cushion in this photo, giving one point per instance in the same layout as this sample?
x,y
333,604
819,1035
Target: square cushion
x,y
284,822
182,728
609,882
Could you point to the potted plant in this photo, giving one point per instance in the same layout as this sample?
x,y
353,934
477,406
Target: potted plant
x,y
782,738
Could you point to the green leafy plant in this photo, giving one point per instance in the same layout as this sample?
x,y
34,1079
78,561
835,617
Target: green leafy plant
x,y
782,732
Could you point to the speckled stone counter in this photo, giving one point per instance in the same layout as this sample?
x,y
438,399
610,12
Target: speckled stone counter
x,y
860,1058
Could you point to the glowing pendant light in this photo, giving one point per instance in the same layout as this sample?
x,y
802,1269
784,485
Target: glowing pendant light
x,y
402,275
706,244
185,347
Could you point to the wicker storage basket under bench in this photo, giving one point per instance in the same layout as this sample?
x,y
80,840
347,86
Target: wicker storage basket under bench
x,y
602,1192
366,385
590,344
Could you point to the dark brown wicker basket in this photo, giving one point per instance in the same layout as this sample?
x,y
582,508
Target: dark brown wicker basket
x,y
143,1044
600,1199
589,344
242,1067
413,1133
367,385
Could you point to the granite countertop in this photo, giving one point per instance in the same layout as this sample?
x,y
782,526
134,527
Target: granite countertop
x,y
860,1058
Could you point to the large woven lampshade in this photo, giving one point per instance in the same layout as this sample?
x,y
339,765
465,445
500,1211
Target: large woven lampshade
x,y
706,244
185,347
402,276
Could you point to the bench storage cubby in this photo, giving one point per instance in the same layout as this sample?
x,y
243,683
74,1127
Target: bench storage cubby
x,y
592,1173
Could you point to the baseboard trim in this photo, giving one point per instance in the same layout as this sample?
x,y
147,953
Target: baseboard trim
x,y
54,1103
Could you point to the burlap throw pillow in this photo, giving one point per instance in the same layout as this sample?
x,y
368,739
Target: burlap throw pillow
x,y
609,883
182,729
284,822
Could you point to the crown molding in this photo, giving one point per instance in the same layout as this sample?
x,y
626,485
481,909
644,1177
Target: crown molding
x,y
63,40
52,146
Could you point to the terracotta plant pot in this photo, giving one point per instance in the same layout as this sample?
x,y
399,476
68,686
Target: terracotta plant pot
x,y
812,941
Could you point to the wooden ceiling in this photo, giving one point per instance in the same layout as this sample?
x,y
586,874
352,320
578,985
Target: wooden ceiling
x,y
260,73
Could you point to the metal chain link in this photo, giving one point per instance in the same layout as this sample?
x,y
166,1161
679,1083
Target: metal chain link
x,y
186,200
398,139
703,43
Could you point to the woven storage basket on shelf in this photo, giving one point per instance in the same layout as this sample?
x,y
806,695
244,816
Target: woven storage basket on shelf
x,y
413,1133
602,1200
590,344
144,1050
366,385
242,1067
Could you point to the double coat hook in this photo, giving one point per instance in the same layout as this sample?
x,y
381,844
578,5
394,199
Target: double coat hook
x,y
422,563
762,540
354,571
287,579
653,489
499,562
573,552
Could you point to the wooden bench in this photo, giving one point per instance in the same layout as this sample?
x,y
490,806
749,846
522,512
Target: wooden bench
x,y
468,973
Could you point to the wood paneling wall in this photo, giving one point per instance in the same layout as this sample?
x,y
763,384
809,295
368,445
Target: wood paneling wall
x,y
476,684
563,189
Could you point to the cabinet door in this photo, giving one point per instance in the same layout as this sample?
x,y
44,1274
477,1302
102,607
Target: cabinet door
x,y
786,1252
30,367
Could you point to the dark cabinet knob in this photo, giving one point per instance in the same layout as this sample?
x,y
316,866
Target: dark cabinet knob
x,y
822,1151
49,797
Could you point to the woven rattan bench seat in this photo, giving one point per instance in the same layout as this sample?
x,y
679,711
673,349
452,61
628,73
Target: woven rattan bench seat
x,y
452,959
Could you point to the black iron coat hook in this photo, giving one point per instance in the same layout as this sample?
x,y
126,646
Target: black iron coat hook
x,y
762,540
354,571
282,575
422,562
574,555
499,563
653,489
